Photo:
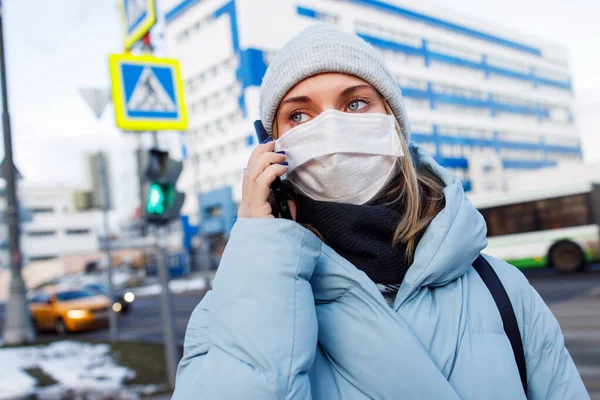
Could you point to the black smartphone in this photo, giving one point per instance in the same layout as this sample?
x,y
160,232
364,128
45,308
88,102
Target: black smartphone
x,y
283,209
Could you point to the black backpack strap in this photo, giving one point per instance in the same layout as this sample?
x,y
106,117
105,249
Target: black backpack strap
x,y
511,327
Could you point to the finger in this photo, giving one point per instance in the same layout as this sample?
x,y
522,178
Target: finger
x,y
246,184
254,170
264,211
261,189
243,211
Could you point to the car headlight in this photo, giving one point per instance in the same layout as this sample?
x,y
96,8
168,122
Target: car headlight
x,y
117,307
129,297
76,314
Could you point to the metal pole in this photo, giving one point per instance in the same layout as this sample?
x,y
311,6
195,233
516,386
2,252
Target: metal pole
x,y
17,326
113,318
170,349
143,227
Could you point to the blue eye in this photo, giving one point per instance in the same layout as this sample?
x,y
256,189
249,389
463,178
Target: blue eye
x,y
299,117
356,105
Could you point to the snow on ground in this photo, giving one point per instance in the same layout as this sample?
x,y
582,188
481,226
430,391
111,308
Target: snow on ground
x,y
79,368
175,286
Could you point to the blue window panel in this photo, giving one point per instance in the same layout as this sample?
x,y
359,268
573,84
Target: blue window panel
x,y
519,145
461,101
551,82
394,46
439,23
306,12
515,108
562,149
466,141
509,73
416,93
250,140
526,164
454,60
452,162
421,137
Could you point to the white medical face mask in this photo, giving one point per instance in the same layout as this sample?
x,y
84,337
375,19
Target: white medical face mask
x,y
342,157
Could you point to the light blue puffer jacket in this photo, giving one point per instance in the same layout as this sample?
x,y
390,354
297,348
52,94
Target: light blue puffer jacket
x,y
288,318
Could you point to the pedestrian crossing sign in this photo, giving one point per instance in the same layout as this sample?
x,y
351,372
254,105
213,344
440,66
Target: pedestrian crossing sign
x,y
138,17
147,93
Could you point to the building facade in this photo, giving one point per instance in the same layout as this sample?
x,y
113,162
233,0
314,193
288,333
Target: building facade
x,y
469,86
54,227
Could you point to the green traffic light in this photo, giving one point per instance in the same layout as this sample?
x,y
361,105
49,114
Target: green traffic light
x,y
155,204
158,198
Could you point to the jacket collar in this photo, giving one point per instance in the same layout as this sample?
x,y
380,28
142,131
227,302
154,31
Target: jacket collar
x,y
452,241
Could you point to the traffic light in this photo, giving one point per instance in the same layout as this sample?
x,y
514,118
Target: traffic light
x,y
162,200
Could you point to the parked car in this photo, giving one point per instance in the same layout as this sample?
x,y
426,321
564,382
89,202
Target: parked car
x,y
122,300
69,310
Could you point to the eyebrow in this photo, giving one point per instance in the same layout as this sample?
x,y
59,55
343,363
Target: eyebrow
x,y
297,99
351,89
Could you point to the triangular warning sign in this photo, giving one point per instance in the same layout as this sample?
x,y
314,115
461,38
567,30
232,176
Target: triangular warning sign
x,y
135,9
150,95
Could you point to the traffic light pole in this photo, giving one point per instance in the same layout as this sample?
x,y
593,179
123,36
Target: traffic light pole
x,y
112,314
170,348
17,325
138,159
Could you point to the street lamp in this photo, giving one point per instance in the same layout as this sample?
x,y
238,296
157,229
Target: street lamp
x,y
17,325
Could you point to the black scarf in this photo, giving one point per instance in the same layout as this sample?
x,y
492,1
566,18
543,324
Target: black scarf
x,y
362,234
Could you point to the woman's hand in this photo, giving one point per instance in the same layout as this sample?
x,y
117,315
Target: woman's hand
x,y
264,166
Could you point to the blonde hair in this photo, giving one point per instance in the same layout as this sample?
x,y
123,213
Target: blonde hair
x,y
419,190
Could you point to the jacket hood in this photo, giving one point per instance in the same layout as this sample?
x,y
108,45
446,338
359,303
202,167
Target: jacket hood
x,y
452,241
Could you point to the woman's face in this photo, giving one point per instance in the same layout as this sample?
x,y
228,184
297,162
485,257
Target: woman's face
x,y
318,93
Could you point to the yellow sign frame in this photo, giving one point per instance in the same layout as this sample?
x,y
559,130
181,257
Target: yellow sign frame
x,y
143,28
120,102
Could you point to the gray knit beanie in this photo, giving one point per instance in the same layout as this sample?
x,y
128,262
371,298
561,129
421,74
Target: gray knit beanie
x,y
320,49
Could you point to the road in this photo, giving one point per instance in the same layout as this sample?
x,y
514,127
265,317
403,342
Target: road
x,y
574,300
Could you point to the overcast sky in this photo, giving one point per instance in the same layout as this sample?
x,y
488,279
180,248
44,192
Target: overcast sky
x,y
54,47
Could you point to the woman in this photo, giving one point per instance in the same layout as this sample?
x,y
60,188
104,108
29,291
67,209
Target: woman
x,y
370,293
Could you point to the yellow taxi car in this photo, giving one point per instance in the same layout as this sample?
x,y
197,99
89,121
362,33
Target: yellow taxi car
x,y
69,310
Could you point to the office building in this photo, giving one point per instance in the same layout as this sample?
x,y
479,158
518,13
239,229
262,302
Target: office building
x,y
469,86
